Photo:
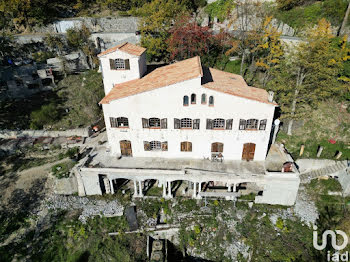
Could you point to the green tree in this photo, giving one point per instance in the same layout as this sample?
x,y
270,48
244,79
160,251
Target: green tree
x,y
79,39
157,18
55,43
47,114
309,74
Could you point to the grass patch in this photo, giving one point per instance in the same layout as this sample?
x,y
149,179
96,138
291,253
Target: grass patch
x,y
155,191
62,170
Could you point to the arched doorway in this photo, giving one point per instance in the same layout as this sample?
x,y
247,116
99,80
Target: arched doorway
x,y
125,148
248,151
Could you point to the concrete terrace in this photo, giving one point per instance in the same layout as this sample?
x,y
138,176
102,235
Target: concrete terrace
x,y
102,159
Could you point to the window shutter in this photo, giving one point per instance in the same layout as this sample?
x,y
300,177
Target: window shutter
x,y
242,124
214,147
113,122
189,146
196,123
229,124
209,124
112,63
263,124
145,123
165,146
164,123
176,123
127,64
146,146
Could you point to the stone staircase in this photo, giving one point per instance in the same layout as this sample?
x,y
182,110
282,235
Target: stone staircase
x,y
325,171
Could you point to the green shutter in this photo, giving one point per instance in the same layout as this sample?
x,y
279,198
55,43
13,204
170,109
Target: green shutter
x,y
112,64
127,64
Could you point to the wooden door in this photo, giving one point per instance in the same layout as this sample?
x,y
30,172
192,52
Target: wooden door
x,y
217,147
248,151
125,148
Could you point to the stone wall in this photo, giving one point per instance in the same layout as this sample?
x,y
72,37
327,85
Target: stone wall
x,y
11,134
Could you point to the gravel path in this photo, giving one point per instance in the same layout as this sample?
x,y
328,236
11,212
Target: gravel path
x,y
90,207
305,208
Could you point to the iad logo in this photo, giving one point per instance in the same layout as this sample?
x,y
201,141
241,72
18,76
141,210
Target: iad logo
x,y
336,256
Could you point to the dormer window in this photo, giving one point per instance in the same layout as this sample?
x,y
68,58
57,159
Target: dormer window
x,y
119,64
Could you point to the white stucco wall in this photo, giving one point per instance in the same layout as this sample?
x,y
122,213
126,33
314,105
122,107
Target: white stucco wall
x,y
167,102
111,77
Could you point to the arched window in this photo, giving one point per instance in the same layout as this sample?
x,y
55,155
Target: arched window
x,y
155,145
154,122
211,101
252,124
217,147
219,123
204,99
185,100
186,146
193,98
186,123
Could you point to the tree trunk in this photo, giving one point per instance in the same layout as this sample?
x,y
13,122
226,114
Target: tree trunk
x,y
345,20
290,124
242,63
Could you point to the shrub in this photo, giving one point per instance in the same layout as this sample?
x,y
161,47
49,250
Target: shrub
x,y
47,114
288,4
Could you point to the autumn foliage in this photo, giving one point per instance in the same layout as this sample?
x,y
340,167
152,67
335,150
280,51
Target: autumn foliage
x,y
188,39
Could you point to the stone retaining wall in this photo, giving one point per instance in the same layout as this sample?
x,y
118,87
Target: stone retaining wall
x,y
11,134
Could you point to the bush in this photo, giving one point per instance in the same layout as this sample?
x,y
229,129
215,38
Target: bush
x,y
47,114
288,4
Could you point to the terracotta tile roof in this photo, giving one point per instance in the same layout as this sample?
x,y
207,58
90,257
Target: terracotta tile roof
x,y
160,77
214,79
233,84
127,48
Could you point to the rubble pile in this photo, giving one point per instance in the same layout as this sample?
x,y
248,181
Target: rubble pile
x,y
89,207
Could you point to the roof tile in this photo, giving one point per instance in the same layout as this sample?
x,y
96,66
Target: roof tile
x,y
127,48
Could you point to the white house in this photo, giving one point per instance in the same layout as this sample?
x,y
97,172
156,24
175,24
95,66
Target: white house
x,y
182,110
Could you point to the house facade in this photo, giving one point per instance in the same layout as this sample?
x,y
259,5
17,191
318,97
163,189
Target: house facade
x,y
182,110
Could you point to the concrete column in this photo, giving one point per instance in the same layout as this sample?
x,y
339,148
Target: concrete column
x,y
112,188
169,189
107,185
135,189
140,189
194,190
275,131
228,187
234,187
199,189
164,189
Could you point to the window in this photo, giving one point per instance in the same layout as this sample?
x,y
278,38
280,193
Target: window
x,y
186,146
252,124
119,122
204,99
196,123
155,145
229,124
119,64
193,98
217,147
211,101
154,122
262,125
185,100
219,123
242,123
186,123
209,124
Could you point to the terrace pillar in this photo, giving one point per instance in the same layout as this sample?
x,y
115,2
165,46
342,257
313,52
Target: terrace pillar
x,y
135,189
229,187
112,188
194,190
199,189
164,189
169,189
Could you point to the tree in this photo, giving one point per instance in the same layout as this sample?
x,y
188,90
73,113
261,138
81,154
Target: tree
x,y
289,4
156,20
79,39
55,43
309,74
187,39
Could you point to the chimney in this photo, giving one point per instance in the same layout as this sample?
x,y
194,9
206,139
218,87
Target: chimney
x,y
270,97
